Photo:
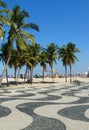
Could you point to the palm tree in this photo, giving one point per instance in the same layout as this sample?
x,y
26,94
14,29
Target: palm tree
x,y
52,53
63,56
43,59
16,62
4,54
71,58
67,55
17,33
32,57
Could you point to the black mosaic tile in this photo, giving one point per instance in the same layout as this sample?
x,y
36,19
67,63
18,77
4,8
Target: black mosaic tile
x,y
75,112
40,122
4,111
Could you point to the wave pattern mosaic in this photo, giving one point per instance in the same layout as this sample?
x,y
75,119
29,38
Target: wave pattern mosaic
x,y
45,108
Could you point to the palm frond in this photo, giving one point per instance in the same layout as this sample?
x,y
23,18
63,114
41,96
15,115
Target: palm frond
x,y
3,4
34,26
21,42
5,11
4,20
30,37
1,32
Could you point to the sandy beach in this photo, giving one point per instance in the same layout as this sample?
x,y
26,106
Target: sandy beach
x,y
47,81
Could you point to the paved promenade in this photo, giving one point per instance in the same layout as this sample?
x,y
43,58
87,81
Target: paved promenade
x,y
50,107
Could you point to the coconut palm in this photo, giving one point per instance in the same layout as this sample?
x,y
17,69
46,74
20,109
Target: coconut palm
x,y
63,56
71,57
52,53
43,59
32,57
67,55
16,33
4,54
15,61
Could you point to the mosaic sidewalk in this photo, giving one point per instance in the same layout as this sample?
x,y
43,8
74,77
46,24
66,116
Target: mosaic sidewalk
x,y
47,108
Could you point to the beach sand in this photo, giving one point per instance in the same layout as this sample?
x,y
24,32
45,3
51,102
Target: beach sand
x,y
47,81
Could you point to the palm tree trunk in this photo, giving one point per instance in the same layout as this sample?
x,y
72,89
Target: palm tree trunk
x,y
70,74
4,70
65,73
31,75
18,75
43,75
15,75
28,74
7,77
25,73
52,74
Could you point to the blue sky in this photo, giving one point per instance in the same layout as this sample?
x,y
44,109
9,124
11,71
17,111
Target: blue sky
x,y
60,21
